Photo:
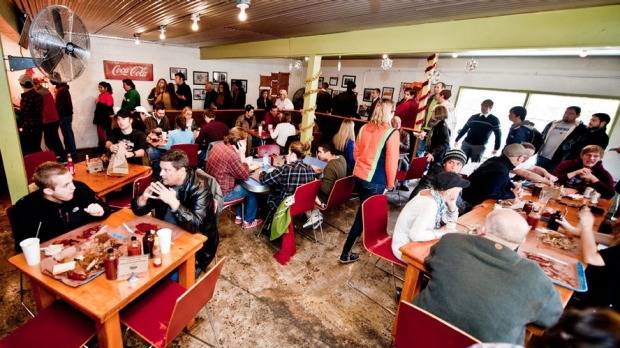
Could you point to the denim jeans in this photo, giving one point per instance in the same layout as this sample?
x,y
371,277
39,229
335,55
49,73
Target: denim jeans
x,y
365,190
67,134
154,154
250,202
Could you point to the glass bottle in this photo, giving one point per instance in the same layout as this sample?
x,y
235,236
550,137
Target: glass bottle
x,y
70,164
528,207
553,223
147,243
134,248
532,219
156,254
110,263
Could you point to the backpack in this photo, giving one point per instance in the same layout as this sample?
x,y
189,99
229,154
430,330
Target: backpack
x,y
536,137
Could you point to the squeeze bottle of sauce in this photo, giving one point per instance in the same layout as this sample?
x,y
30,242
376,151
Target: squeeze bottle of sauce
x,y
110,263
156,253
134,248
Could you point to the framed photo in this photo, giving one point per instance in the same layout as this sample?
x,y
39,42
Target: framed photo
x,y
367,94
178,70
200,93
320,83
345,79
387,92
244,84
201,77
333,81
220,76
401,91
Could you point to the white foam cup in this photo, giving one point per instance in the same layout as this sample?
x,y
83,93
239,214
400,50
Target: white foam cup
x,y
165,239
32,251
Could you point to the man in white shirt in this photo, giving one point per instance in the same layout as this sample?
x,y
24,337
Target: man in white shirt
x,y
560,137
283,103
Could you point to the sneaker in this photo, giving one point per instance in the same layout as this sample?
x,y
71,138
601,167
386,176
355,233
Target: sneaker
x,y
238,220
352,257
399,292
255,223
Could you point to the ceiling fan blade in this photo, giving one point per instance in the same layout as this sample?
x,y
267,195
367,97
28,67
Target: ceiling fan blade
x,y
57,18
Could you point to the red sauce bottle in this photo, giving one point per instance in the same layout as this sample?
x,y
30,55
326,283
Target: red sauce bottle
x,y
147,243
111,265
532,219
134,248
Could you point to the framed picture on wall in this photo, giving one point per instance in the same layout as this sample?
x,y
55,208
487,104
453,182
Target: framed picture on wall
x,y
244,84
387,93
216,86
220,76
347,78
177,70
320,83
333,81
201,77
200,93
367,94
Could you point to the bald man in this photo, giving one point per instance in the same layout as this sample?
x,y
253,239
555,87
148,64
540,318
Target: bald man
x,y
482,286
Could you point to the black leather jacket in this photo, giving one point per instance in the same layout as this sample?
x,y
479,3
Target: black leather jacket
x,y
195,214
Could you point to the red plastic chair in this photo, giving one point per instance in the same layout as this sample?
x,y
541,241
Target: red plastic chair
x,y
229,204
416,327
417,167
58,325
191,150
272,149
341,194
376,239
32,161
165,310
304,201
124,199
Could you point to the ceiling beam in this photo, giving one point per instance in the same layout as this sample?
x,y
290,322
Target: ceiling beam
x,y
585,27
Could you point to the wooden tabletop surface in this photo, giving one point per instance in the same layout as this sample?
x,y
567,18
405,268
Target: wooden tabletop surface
x,y
102,184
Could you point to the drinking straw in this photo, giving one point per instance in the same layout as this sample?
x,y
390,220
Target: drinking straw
x,y
39,229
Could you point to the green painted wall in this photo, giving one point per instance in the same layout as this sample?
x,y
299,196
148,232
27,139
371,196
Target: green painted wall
x,y
587,27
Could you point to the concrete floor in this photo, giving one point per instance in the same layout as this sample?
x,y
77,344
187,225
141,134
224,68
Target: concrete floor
x,y
260,303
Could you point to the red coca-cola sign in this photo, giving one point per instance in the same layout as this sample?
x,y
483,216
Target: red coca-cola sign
x,y
124,70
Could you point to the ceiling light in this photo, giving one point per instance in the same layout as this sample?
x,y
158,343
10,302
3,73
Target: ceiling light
x,y
583,54
162,28
455,55
137,36
306,58
471,65
195,18
243,5
386,62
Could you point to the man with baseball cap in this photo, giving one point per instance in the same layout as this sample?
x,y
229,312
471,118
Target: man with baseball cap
x,y
422,216
483,287
492,178
30,114
124,135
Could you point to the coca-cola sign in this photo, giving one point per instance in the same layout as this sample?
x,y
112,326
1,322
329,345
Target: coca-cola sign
x,y
124,70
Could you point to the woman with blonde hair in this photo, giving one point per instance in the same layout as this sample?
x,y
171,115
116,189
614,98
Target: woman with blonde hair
x,y
344,142
190,124
157,91
376,159
438,137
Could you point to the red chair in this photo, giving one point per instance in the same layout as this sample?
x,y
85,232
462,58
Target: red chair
x,y
416,327
165,310
417,167
304,201
58,325
271,149
229,204
32,161
341,194
376,239
191,150
123,200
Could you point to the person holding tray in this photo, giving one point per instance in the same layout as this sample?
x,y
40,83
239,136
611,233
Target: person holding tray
x,y
57,207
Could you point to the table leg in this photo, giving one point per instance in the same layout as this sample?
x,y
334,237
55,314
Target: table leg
x,y
187,277
42,297
411,287
109,332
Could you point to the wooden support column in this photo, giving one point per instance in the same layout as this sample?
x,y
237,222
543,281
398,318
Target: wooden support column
x,y
311,84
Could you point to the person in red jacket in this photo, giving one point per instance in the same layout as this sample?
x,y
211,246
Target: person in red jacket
x,y
408,110
586,171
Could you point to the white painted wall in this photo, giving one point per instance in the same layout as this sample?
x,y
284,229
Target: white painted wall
x,y
591,76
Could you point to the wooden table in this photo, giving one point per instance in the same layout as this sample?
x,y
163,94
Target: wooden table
x,y
103,299
103,184
414,253
263,136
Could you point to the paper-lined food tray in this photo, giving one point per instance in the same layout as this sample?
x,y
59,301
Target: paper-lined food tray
x,y
565,272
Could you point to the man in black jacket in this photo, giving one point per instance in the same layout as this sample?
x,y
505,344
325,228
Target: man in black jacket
x,y
596,135
492,178
184,92
478,129
182,198
57,207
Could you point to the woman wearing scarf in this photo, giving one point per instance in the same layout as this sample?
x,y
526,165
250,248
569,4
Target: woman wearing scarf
x,y
422,217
